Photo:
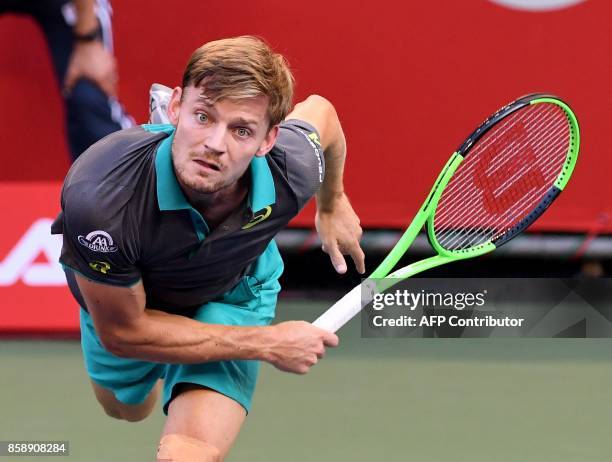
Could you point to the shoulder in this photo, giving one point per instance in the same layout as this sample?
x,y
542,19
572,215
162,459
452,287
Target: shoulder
x,y
298,144
113,165
298,134
115,155
299,155
104,178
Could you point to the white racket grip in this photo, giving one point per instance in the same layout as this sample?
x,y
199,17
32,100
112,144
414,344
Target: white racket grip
x,y
347,307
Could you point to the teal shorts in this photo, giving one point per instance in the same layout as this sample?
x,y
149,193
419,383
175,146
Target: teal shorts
x,y
251,302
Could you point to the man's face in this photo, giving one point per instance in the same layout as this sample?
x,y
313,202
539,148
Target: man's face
x,y
214,143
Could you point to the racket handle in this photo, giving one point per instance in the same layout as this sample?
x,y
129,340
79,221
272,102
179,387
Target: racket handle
x,y
347,307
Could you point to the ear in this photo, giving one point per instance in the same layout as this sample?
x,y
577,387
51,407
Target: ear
x,y
268,143
174,105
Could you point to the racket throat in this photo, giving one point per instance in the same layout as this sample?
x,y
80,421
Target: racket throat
x,y
402,245
418,267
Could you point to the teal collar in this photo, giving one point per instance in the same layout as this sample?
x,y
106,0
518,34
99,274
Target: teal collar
x,y
170,196
262,192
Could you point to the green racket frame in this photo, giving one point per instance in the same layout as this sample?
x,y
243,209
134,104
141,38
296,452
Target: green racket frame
x,y
426,213
351,304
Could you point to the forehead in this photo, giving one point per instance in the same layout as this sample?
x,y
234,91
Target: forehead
x,y
255,107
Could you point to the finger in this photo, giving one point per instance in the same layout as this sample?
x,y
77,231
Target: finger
x,y
359,259
336,258
330,339
321,353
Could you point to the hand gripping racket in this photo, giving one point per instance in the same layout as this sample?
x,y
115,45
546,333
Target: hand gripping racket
x,y
500,180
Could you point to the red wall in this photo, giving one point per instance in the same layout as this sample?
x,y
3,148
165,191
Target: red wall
x,y
409,79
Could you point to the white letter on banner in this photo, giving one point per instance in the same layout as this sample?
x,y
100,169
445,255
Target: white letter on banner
x,y
18,264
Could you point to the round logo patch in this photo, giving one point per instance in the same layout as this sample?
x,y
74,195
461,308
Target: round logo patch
x,y
98,241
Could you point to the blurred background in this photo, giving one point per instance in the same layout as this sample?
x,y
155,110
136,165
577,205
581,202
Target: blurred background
x,y
410,80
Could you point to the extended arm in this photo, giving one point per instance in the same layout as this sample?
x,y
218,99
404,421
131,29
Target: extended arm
x,y
128,329
336,221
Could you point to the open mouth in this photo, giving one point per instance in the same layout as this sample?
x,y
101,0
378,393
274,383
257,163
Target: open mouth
x,y
207,164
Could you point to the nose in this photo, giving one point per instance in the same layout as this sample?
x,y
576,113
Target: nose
x,y
215,139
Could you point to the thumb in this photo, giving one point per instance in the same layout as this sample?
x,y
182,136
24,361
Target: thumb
x,y
330,339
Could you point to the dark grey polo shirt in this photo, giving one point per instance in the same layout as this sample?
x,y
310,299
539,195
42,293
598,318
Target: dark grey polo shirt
x,y
125,218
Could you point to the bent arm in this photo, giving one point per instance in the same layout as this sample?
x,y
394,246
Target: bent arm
x,y
336,221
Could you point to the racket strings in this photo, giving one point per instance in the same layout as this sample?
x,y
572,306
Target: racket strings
x,y
514,198
483,233
467,168
503,177
492,233
450,212
511,202
514,203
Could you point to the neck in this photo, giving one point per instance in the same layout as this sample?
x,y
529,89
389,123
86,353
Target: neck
x,y
216,207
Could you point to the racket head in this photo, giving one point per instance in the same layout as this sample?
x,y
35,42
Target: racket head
x,y
503,176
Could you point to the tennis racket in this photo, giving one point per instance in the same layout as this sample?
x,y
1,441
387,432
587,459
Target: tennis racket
x,y
500,180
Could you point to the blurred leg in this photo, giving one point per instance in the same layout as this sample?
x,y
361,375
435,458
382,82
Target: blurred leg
x,y
209,420
130,412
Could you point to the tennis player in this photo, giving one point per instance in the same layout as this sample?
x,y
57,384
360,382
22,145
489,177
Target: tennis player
x,y
167,245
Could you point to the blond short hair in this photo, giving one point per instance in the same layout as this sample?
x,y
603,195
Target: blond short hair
x,y
242,67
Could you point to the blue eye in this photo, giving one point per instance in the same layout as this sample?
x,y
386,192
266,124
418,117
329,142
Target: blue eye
x,y
242,132
202,118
